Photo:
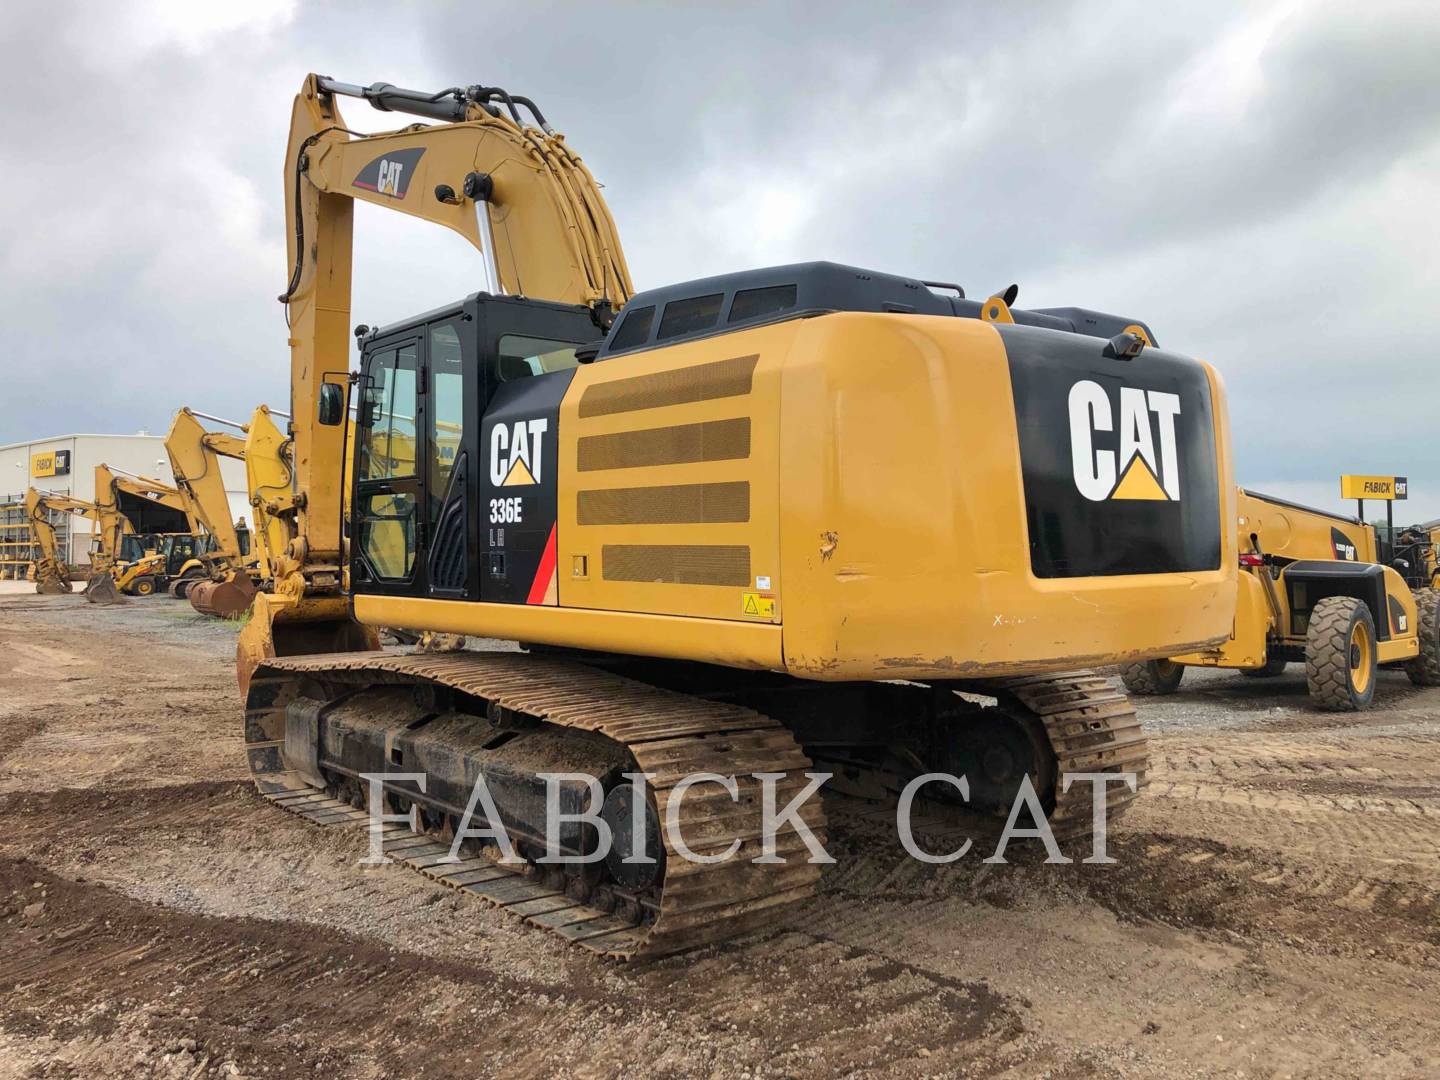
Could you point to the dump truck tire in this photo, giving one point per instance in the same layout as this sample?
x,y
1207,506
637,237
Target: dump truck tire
x,y
1424,669
1340,665
1152,677
1274,665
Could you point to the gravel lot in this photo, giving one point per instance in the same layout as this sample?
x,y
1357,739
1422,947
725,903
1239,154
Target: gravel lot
x,y
1272,911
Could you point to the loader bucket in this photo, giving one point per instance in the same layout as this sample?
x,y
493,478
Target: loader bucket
x,y
226,599
100,589
51,587
283,626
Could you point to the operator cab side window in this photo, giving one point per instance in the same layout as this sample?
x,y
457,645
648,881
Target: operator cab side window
x,y
387,443
521,357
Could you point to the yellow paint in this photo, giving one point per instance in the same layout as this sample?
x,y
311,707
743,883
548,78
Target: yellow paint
x,y
732,643
1384,488
43,464
1139,483
518,476
1262,614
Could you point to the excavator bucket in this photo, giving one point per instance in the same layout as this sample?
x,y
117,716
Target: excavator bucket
x,y
52,587
100,589
283,626
226,599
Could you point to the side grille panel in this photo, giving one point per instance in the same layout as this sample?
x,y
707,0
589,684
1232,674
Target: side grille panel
x,y
677,564
683,444
671,504
680,386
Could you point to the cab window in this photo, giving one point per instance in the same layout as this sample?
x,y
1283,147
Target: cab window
x,y
387,442
520,357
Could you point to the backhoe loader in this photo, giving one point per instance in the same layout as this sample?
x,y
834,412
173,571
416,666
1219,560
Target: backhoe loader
x,y
1314,589
154,510
222,582
747,526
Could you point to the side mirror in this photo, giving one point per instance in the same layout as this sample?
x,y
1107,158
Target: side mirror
x,y
332,404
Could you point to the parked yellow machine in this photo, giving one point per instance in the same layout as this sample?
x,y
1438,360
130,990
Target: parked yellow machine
x,y
754,522
172,542
51,573
223,581
1315,591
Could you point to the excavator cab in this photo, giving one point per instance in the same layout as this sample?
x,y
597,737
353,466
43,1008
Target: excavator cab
x,y
458,411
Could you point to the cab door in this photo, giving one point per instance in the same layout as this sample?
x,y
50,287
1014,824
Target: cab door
x,y
389,492
453,402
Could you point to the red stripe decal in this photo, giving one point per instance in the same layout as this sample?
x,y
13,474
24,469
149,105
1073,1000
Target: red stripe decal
x,y
544,573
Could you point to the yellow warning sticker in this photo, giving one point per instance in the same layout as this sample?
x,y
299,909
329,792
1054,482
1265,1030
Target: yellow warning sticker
x,y
757,606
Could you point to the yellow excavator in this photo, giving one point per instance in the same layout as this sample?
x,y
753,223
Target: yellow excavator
x,y
223,581
1315,589
51,572
807,516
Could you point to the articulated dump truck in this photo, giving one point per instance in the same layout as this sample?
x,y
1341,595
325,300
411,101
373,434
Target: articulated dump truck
x,y
1314,590
800,520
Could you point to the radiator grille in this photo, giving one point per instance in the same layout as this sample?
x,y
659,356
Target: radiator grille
x,y
671,504
677,564
715,440
702,382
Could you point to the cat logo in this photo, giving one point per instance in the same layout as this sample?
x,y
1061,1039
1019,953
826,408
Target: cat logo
x,y
515,452
390,175
1145,465
1342,547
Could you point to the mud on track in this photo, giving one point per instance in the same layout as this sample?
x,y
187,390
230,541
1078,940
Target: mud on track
x,y
1273,910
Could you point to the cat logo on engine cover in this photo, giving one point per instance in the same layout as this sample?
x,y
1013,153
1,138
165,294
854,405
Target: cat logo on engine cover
x,y
1146,465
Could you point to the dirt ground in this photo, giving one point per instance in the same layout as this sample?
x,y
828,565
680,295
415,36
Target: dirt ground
x,y
1273,910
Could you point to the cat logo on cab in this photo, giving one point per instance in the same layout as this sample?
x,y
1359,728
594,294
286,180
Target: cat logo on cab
x,y
1136,459
515,452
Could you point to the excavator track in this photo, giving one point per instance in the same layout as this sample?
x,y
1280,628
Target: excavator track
x,y
1091,727
669,735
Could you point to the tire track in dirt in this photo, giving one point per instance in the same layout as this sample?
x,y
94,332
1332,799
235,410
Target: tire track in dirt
x,y
197,849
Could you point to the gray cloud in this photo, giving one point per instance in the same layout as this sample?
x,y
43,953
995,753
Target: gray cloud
x,y
1256,181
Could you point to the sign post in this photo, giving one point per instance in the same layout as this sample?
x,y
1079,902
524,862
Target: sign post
x,y
1385,488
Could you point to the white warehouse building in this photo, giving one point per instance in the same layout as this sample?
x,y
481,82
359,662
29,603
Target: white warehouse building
x,y
65,464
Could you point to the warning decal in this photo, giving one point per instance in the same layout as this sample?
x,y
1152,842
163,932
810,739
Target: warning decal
x,y
757,606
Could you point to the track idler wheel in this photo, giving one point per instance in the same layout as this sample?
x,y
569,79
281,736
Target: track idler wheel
x,y
996,750
625,859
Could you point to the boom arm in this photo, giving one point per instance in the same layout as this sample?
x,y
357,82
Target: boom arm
x,y
114,524
516,191
195,460
49,570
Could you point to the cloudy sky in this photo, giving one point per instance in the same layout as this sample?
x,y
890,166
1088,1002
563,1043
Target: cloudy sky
x,y
1260,182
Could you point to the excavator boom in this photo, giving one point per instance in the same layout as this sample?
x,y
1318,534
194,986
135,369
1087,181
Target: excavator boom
x,y
513,188
226,588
